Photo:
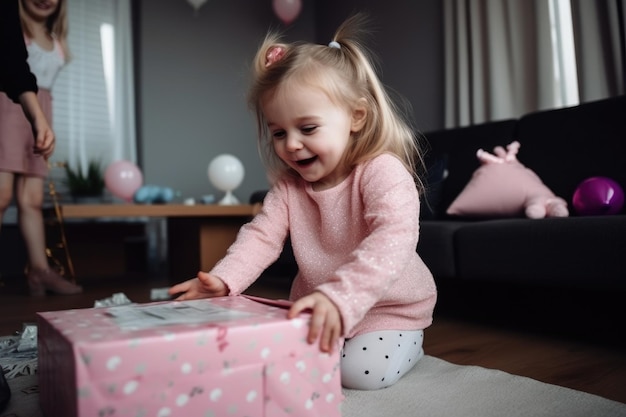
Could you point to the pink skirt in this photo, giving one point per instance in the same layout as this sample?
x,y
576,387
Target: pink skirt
x,y
16,137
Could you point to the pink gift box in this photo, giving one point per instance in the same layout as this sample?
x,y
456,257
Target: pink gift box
x,y
228,356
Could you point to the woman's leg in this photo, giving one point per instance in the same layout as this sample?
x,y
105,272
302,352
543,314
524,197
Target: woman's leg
x,y
379,359
29,195
6,192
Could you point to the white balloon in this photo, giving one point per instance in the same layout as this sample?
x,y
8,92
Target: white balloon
x,y
226,173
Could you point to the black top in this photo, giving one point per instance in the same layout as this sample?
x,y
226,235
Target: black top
x,y
15,75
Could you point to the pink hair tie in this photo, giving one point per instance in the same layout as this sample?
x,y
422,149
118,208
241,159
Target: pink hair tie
x,y
275,54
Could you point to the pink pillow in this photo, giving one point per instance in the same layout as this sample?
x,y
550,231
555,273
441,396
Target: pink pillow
x,y
503,187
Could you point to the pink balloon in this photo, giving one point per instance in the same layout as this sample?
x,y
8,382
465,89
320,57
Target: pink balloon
x,y
123,178
287,10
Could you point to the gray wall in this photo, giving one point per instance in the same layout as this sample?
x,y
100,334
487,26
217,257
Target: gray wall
x,y
192,74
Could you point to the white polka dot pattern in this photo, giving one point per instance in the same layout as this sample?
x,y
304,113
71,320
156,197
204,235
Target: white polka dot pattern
x,y
257,365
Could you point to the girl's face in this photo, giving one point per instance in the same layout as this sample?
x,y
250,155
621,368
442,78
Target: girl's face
x,y
40,10
310,133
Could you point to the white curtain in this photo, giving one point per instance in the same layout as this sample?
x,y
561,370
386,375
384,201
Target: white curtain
x,y
124,128
93,107
600,47
503,59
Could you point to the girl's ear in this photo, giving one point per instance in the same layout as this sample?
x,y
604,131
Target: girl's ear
x,y
359,115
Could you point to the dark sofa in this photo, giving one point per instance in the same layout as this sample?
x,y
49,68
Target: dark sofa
x,y
564,147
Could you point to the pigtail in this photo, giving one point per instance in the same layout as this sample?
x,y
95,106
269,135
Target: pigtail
x,y
388,128
267,71
269,52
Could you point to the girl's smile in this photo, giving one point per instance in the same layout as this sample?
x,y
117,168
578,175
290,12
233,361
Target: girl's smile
x,y
310,133
305,162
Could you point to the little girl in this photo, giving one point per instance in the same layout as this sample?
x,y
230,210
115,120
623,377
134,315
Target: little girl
x,y
22,165
347,195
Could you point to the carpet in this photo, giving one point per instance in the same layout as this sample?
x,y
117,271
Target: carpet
x,y
433,388
438,388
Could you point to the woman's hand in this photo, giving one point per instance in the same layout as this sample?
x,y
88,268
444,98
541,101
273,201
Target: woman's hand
x,y
44,136
325,320
203,286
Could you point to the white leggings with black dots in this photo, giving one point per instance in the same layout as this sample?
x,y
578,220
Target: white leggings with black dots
x,y
379,359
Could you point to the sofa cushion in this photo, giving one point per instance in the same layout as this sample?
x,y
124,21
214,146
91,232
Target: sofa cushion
x,y
573,251
436,246
436,172
504,187
457,149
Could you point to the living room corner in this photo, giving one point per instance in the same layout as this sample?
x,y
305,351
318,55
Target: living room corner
x,y
529,310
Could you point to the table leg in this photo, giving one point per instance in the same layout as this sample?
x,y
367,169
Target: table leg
x,y
197,244
215,239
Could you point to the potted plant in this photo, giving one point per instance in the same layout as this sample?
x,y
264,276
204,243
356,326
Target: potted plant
x,y
85,185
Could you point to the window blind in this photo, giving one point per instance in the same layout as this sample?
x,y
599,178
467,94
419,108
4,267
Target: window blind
x,y
93,118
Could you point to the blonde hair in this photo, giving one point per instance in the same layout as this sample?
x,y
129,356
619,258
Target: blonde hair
x,y
56,25
348,76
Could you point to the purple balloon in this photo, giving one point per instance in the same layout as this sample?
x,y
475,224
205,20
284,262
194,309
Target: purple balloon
x,y
598,196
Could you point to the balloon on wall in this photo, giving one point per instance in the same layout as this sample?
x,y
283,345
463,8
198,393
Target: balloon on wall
x,y
287,10
123,178
597,196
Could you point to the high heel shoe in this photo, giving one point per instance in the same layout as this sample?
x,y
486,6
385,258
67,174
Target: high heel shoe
x,y
42,280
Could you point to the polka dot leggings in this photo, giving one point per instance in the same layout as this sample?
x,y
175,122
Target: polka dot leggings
x,y
377,360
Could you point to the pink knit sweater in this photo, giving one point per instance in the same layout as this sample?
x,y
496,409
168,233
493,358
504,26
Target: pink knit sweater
x,y
355,242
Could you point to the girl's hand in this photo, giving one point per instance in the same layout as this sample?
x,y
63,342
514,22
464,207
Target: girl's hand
x,y
204,286
325,320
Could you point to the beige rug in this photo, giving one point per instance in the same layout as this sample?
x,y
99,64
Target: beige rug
x,y
438,388
433,388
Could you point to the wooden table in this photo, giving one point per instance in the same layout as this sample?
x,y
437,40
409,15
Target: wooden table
x,y
197,235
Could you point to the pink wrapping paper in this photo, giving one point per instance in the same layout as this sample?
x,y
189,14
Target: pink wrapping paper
x,y
230,356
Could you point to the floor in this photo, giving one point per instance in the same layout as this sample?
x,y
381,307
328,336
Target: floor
x,y
550,335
